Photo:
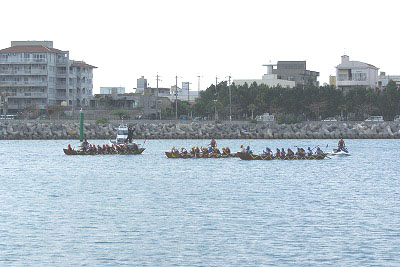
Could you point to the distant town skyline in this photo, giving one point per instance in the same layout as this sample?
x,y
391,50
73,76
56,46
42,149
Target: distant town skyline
x,y
130,39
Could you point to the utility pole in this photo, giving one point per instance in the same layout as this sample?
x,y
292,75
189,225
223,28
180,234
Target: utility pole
x,y
230,98
215,101
176,97
158,77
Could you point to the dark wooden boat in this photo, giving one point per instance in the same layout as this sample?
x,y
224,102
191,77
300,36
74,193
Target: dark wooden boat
x,y
77,152
247,156
171,155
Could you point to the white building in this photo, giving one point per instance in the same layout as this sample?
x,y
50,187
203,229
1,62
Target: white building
x,y
33,73
141,85
355,73
268,79
112,90
384,80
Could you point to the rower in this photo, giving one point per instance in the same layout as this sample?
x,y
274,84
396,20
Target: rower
x,y
283,153
319,151
290,153
183,151
248,151
242,149
227,150
277,153
309,152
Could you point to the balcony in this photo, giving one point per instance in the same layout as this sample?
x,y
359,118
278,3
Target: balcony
x,y
352,83
29,95
62,60
22,84
24,72
23,60
60,96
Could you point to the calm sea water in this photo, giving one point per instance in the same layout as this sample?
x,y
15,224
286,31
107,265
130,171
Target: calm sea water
x,y
58,210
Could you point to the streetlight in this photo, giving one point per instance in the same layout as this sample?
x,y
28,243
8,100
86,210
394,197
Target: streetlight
x,y
176,97
230,97
216,95
158,79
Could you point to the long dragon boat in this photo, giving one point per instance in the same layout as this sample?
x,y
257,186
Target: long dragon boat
x,y
248,156
84,153
188,155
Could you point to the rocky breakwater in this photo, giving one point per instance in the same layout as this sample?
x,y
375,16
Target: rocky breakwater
x,y
32,130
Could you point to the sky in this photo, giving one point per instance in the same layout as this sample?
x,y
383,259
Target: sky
x,y
209,38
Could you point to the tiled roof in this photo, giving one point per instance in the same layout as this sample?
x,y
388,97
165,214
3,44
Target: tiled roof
x,y
82,65
30,49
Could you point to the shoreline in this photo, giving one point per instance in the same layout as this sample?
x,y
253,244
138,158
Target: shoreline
x,y
68,130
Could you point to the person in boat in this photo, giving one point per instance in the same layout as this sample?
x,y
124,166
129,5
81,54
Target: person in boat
x,y
227,150
289,153
174,150
300,152
197,151
277,153
283,153
135,147
183,151
130,135
266,152
248,150
216,151
319,151
309,152
210,149
85,145
242,149
213,143
341,145
69,147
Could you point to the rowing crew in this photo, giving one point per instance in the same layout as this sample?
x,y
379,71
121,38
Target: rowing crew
x,y
106,149
202,150
282,153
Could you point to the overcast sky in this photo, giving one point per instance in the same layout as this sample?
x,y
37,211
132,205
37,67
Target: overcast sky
x,y
128,39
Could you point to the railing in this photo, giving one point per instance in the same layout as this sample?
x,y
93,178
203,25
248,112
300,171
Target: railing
x,y
23,60
22,83
62,60
24,72
31,95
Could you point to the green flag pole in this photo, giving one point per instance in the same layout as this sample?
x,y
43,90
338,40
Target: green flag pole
x,y
81,126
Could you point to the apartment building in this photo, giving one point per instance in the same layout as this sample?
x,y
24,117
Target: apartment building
x,y
295,71
33,73
355,73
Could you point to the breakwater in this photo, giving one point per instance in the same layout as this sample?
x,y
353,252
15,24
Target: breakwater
x,y
40,130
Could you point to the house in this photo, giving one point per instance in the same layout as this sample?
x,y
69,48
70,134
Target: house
x,y
350,74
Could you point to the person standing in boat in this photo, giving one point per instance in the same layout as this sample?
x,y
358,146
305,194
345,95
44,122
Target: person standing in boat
x,y
213,143
130,135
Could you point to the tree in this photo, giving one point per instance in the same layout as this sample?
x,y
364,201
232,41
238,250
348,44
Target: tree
x,y
56,109
252,107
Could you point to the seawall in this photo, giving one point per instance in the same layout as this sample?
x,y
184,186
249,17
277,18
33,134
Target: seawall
x,y
41,130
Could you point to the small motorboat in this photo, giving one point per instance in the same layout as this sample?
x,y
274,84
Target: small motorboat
x,y
340,152
122,135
